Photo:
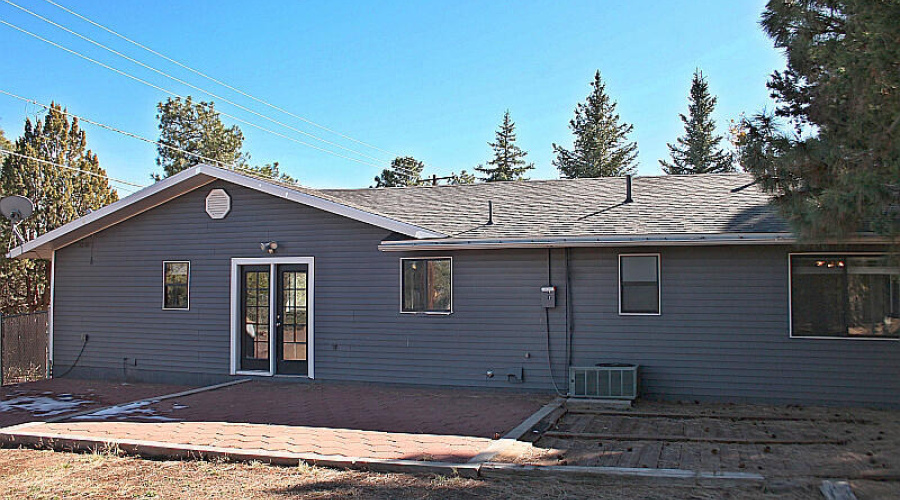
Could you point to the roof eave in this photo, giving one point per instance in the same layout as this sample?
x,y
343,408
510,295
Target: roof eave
x,y
43,246
593,241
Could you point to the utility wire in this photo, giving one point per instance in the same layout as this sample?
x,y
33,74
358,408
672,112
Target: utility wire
x,y
145,82
176,79
220,163
219,82
88,172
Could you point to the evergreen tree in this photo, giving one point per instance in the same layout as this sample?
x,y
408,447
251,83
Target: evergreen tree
x,y
508,163
698,151
404,171
271,171
4,144
836,170
196,128
60,195
601,145
464,177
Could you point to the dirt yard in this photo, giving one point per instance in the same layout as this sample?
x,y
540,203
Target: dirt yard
x,y
51,475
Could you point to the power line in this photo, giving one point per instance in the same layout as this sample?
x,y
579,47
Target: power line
x,y
183,82
141,138
88,172
157,87
219,82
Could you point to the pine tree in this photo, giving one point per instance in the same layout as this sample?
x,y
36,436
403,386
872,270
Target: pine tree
x,y
835,170
463,177
404,171
198,129
60,195
508,163
4,144
601,145
698,151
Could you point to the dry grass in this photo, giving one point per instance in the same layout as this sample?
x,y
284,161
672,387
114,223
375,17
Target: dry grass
x,y
51,475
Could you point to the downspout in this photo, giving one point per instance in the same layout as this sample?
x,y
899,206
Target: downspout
x,y
570,312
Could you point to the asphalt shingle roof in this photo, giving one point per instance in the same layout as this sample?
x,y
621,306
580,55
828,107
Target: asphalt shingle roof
x,y
698,204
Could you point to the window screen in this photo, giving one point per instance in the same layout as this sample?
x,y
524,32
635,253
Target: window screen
x,y
639,284
426,285
176,281
845,296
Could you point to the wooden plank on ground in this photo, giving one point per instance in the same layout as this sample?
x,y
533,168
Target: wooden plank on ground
x,y
837,490
736,417
650,437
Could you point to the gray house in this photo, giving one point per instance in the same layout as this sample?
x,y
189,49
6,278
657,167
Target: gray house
x,y
211,274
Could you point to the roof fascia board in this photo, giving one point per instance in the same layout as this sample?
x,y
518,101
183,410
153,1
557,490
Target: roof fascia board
x,y
613,241
617,241
36,247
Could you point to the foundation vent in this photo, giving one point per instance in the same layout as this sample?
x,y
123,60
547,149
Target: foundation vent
x,y
218,204
604,381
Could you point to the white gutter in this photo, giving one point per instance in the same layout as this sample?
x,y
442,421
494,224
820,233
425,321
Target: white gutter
x,y
592,241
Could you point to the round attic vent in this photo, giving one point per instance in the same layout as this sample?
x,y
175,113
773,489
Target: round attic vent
x,y
218,204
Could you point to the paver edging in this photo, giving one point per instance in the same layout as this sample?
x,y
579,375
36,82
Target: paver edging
x,y
156,449
495,469
520,430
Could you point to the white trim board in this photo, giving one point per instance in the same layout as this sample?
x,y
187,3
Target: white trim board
x,y
658,283
790,301
164,308
234,323
427,313
185,182
50,313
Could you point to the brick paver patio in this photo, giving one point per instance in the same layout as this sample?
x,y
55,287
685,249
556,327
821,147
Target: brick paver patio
x,y
348,443
325,419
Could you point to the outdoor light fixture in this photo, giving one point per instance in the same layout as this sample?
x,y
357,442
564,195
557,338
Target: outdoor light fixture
x,y
270,246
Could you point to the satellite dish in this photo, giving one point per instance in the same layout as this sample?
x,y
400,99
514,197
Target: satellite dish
x,y
16,208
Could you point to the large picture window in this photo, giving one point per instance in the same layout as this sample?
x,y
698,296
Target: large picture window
x,y
846,296
176,285
426,285
639,284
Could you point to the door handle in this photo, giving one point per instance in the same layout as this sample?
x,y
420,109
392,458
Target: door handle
x,y
277,321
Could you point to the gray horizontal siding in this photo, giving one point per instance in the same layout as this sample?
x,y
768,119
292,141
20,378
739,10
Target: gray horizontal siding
x,y
110,288
722,333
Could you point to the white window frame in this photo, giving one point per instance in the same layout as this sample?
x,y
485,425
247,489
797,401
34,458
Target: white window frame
x,y
272,262
427,313
790,299
188,308
658,283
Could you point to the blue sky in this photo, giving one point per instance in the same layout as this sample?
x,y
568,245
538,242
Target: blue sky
x,y
428,79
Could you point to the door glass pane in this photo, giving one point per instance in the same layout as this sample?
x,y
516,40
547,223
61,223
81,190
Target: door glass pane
x,y
293,314
439,278
255,299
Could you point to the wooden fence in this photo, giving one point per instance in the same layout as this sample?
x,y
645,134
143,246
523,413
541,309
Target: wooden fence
x,y
24,340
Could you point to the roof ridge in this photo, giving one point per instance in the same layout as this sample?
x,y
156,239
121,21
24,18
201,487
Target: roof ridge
x,y
538,181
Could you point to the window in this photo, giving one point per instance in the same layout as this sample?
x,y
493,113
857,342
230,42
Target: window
x,y
426,285
845,296
176,281
639,284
